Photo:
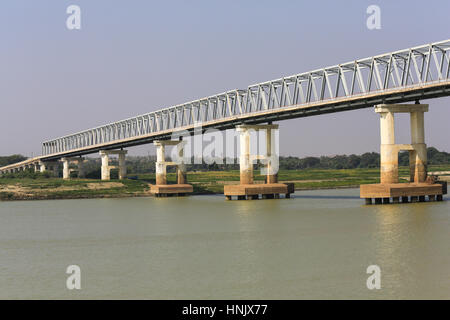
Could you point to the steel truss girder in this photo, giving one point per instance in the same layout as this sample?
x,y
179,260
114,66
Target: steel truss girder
x,y
413,67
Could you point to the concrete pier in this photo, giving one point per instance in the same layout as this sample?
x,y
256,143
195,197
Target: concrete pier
x,y
161,165
419,155
388,149
181,167
51,166
389,187
161,188
106,167
66,166
66,170
42,166
272,164
245,163
246,189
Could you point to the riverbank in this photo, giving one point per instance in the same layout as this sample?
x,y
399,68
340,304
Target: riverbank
x,y
209,182
56,188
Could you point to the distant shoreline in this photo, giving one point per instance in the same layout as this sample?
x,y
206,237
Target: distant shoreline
x,y
204,183
138,195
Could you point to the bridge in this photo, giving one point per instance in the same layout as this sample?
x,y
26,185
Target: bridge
x,y
407,75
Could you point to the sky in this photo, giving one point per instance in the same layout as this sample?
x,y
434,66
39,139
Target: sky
x,y
133,57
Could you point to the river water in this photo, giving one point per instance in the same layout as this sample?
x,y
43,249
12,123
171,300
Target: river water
x,y
318,244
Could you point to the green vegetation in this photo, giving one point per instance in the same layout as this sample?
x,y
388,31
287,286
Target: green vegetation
x,y
145,165
369,160
27,174
306,173
213,181
20,186
4,161
366,160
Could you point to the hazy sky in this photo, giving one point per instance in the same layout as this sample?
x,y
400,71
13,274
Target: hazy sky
x,y
132,57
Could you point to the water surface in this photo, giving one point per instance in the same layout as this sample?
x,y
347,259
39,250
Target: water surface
x,y
316,245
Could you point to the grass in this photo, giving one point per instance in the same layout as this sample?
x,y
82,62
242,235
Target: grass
x,y
204,183
213,181
56,188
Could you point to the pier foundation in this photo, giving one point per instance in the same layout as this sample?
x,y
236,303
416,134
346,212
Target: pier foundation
x,y
247,189
419,187
51,166
79,161
106,167
161,188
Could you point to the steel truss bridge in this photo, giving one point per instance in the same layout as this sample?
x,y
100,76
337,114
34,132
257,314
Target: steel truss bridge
x,y
407,75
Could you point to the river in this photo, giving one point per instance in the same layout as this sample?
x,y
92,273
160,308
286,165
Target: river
x,y
316,245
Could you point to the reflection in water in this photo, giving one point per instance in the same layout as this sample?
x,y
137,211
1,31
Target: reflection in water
x,y
330,196
402,247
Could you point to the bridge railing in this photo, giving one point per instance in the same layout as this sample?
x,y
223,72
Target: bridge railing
x,y
399,69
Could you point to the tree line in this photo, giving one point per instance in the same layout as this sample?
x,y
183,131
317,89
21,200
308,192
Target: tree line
x,y
4,161
146,164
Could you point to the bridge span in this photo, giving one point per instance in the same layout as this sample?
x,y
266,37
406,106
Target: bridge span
x,y
393,78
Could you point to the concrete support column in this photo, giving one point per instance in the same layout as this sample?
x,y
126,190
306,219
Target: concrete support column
x,y
181,167
105,165
122,166
245,162
66,171
418,143
106,168
49,165
272,159
388,151
42,166
161,188
66,167
161,174
161,163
